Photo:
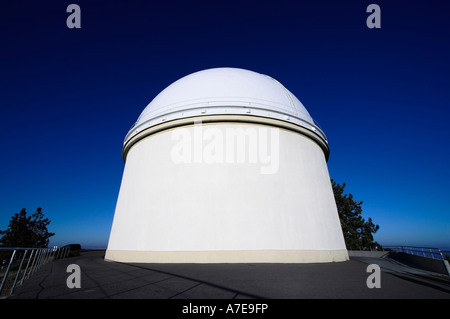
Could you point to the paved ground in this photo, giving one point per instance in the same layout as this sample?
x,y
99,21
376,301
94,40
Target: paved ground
x,y
110,280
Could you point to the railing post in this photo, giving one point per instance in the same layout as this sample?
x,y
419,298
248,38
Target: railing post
x,y
39,261
52,252
36,251
47,255
7,271
18,273
44,257
26,268
66,253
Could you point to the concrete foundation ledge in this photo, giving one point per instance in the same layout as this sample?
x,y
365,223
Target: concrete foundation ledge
x,y
225,256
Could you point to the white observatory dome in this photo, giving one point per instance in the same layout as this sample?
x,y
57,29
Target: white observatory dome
x,y
225,91
226,165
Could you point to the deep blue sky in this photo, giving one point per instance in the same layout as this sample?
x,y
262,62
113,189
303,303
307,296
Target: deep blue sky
x,y
69,96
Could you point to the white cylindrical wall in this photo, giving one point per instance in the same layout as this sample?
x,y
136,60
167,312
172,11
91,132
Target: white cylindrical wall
x,y
207,206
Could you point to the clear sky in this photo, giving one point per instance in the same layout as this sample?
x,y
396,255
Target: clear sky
x,y
69,96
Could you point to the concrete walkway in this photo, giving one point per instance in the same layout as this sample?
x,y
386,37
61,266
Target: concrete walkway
x,y
110,280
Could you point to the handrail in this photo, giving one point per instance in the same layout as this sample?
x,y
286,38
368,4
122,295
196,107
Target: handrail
x,y
37,258
429,252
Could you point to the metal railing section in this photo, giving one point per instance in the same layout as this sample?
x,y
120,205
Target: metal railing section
x,y
27,259
434,253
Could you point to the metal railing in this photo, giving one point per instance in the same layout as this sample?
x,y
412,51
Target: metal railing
x,y
26,261
434,253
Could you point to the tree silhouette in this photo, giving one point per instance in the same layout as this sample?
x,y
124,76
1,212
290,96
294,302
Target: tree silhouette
x,y
358,233
27,231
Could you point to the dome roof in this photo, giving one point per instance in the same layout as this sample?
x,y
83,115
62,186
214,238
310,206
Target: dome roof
x,y
225,91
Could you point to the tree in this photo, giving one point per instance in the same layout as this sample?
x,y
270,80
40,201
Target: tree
x,y
29,232
358,233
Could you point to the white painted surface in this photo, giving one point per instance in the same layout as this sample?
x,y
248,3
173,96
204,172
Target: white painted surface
x,y
226,211
224,91
168,206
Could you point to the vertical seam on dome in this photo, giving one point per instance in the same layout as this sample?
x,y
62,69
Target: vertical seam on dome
x,y
294,109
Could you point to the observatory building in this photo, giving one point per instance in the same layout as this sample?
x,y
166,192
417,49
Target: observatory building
x,y
226,165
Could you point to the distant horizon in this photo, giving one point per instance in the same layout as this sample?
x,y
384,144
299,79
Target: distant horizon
x,y
385,247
